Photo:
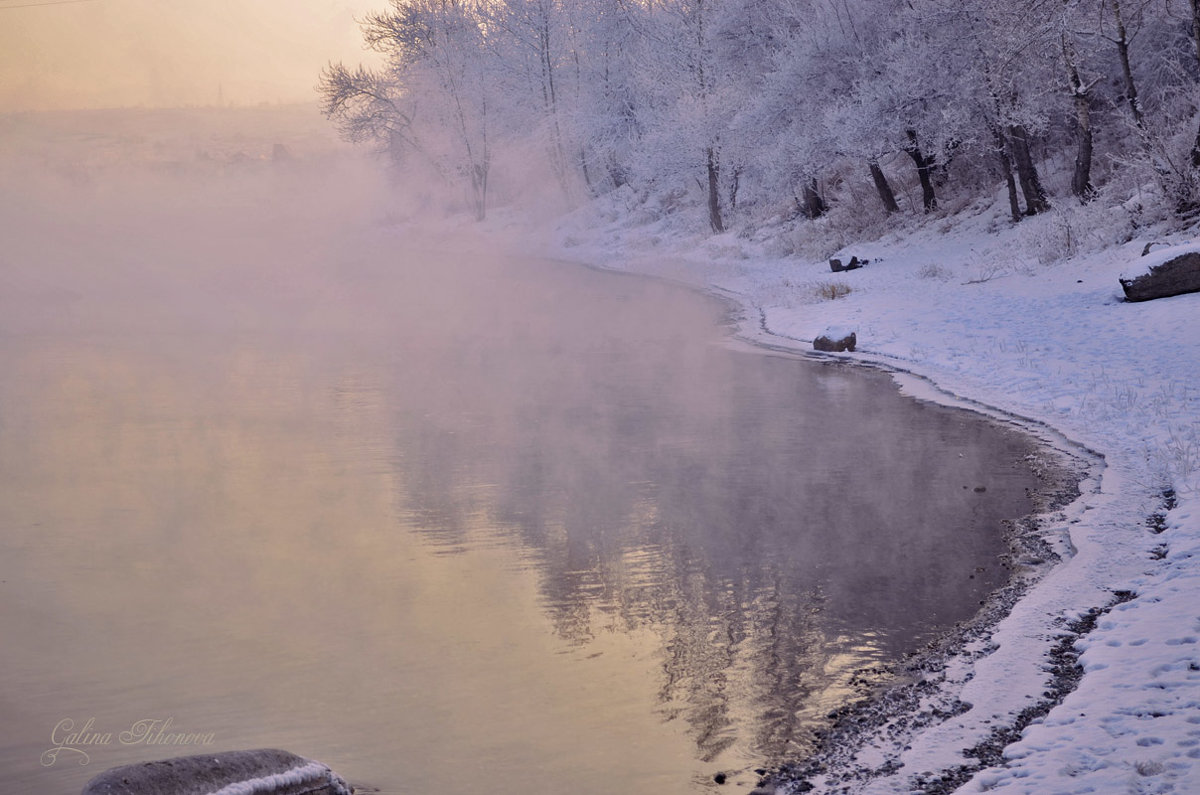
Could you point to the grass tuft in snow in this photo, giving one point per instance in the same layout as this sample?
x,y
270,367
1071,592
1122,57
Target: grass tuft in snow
x,y
829,291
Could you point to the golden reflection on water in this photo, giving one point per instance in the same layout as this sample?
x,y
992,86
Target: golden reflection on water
x,y
223,547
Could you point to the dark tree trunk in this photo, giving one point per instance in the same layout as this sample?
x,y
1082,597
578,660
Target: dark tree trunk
x,y
1195,41
616,172
1122,42
885,190
1195,5
1081,179
925,166
1186,203
1031,185
814,205
714,193
941,169
1006,168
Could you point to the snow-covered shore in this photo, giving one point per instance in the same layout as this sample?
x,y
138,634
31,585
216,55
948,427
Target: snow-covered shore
x,y
967,306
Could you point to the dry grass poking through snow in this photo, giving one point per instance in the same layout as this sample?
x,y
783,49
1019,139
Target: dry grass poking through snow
x,y
828,291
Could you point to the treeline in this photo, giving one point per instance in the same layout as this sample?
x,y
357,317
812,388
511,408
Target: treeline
x,y
738,106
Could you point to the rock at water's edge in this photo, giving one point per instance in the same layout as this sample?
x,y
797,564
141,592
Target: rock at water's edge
x,y
836,340
265,771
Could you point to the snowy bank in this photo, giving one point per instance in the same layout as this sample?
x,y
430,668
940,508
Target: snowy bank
x,y
967,305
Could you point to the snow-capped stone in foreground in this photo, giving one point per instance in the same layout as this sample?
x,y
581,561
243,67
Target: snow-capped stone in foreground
x,y
262,772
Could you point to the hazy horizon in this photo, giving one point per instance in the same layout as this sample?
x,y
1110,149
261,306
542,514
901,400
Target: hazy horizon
x,y
94,54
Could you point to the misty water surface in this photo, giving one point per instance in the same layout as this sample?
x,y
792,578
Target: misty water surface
x,y
443,519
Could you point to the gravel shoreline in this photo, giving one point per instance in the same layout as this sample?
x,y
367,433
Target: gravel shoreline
x,y
922,688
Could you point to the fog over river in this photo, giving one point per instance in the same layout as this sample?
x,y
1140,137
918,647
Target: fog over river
x,y
446,517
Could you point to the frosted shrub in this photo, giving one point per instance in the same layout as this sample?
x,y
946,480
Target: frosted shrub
x,y
1051,237
1176,461
816,240
618,204
854,216
934,271
1071,229
779,246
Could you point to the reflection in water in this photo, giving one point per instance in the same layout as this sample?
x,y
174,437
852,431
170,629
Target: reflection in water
x,y
383,509
779,526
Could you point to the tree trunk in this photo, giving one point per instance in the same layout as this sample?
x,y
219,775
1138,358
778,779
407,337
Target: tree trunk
x,y
587,176
925,166
814,205
1031,185
479,191
1006,168
734,183
1122,42
714,193
1195,5
884,189
616,172
558,156
1081,179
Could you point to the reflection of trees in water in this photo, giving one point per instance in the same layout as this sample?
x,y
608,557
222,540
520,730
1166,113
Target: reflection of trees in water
x,y
778,525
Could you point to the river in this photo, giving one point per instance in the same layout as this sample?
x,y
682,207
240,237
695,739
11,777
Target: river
x,y
275,475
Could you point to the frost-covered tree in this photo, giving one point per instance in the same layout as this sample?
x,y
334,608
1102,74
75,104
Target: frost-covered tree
x,y
432,97
690,95
993,87
740,107
608,114
530,44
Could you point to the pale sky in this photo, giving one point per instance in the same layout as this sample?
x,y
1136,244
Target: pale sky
x,y
117,53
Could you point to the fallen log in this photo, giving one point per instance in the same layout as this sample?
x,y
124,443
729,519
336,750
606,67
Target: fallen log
x,y
1172,271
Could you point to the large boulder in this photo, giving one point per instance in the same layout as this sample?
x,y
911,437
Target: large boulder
x,y
836,340
1172,271
262,772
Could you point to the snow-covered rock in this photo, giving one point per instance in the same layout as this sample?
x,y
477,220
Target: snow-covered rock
x,y
837,266
836,339
265,771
